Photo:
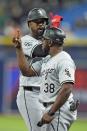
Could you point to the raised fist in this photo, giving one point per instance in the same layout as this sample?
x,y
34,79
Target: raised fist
x,y
17,39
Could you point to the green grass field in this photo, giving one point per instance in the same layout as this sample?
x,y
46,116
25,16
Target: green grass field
x,y
16,123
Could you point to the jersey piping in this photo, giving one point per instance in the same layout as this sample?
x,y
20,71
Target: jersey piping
x,y
27,110
34,71
53,127
67,81
58,120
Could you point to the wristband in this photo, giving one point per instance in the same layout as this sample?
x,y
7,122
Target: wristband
x,y
51,113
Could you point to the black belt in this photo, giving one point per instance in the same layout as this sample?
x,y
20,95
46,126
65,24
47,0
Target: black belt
x,y
31,88
45,104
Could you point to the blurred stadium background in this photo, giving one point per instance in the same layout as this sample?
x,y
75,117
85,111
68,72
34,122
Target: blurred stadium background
x,y
12,16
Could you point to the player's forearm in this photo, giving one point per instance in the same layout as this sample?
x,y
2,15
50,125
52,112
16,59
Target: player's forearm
x,y
23,64
62,96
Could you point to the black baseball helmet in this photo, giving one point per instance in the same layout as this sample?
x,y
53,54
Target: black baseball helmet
x,y
57,35
37,13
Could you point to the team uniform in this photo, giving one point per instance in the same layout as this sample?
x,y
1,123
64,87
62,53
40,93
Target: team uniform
x,y
29,88
54,72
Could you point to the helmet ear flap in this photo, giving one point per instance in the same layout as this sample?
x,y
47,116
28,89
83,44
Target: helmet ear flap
x,y
61,41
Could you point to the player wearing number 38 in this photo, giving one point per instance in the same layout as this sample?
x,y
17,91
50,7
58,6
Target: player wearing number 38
x,y
58,76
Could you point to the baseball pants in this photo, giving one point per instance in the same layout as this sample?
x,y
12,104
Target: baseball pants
x,y
63,118
29,108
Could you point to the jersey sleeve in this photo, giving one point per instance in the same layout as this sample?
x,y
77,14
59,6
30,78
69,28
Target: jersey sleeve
x,y
66,71
38,52
37,67
29,44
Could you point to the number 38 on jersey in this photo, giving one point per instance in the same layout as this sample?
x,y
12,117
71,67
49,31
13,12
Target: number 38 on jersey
x,y
49,88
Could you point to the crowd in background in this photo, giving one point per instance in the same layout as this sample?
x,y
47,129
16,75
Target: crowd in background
x,y
13,13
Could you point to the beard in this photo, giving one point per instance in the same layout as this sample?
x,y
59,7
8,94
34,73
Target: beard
x,y
39,32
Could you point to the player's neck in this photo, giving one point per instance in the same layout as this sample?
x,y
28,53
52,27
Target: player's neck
x,y
54,50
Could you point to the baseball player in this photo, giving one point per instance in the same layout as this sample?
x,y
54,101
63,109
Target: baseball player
x,y
57,78
29,87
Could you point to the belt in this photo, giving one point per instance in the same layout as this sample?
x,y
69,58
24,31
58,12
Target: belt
x,y
31,88
45,104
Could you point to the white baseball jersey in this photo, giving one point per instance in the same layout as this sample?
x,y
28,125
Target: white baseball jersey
x,y
28,45
54,71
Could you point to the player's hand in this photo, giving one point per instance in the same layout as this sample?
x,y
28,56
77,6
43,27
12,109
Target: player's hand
x,y
17,39
46,119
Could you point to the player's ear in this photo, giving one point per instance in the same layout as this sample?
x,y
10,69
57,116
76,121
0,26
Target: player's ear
x,y
50,43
